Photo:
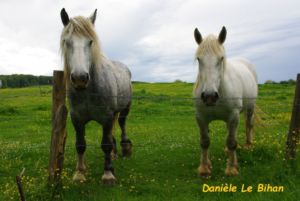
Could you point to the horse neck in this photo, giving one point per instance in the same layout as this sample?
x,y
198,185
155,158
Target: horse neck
x,y
94,71
98,71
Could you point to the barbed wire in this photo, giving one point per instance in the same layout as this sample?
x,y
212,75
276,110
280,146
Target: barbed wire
x,y
130,117
152,97
101,105
141,97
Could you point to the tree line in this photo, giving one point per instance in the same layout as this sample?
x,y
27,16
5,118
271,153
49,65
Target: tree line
x,y
17,81
290,81
20,80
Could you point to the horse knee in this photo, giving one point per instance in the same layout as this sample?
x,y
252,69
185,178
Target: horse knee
x,y
107,147
205,142
80,147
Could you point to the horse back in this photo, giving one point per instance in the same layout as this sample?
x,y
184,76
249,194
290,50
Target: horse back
x,y
243,78
249,66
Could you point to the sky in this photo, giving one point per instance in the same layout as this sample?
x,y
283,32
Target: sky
x,y
155,37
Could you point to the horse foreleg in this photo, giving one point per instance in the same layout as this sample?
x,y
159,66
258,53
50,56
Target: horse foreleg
x,y
108,177
249,118
232,163
80,148
125,141
205,167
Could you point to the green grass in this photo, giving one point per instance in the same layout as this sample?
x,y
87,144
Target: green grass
x,y
166,148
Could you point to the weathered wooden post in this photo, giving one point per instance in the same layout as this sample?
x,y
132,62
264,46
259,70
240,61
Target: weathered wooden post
x,y
59,121
294,131
20,185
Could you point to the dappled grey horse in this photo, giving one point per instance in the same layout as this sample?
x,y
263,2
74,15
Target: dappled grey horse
x,y
98,89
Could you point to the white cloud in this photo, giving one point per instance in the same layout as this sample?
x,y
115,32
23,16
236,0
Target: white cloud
x,y
26,59
155,38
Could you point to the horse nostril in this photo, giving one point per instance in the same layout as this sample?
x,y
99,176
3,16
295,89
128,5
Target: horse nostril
x,y
202,96
84,77
216,95
210,97
72,78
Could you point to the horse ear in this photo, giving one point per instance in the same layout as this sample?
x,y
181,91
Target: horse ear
x,y
93,16
197,36
222,35
64,17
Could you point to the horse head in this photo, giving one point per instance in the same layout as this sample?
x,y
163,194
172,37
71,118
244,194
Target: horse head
x,y
78,44
211,61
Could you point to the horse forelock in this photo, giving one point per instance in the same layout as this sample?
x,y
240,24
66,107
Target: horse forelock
x,y
210,46
82,27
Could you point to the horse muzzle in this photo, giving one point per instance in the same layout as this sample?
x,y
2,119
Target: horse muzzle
x,y
80,81
210,98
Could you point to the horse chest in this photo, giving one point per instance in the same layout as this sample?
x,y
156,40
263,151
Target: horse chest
x,y
213,113
89,106
221,111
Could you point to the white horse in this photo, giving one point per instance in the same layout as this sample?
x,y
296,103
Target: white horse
x,y
223,89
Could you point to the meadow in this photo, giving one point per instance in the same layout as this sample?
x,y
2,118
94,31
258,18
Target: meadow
x,y
166,148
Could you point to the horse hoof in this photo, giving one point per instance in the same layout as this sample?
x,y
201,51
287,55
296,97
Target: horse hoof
x,y
204,170
79,177
108,179
126,148
231,171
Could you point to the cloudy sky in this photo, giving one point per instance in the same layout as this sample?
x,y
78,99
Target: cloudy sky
x,y
155,37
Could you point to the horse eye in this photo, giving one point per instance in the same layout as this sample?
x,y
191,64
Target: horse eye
x,y
199,61
220,61
90,42
68,43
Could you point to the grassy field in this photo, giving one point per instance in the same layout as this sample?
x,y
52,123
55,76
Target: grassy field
x,y
163,166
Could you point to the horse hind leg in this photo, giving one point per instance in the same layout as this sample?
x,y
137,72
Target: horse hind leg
x,y
114,151
249,119
125,141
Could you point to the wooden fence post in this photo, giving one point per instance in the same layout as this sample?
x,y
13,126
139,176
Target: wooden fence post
x,y
59,121
294,131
